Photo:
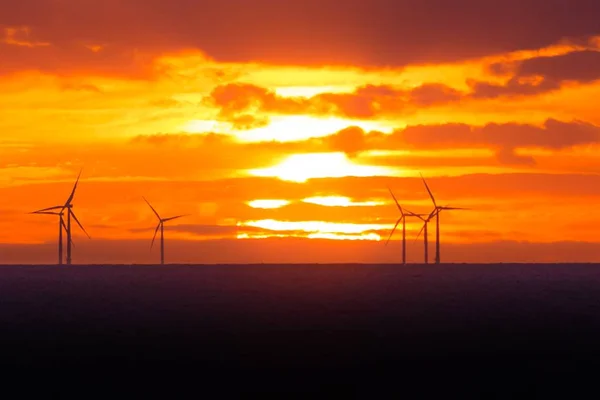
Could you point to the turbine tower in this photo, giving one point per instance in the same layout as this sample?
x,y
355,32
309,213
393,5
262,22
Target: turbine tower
x,y
61,226
161,226
59,210
437,210
403,214
424,231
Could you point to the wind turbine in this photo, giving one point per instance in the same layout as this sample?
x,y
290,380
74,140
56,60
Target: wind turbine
x,y
424,231
436,211
403,219
70,214
61,226
161,226
403,214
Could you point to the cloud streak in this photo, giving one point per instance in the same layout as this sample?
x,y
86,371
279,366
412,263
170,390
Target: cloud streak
x,y
322,32
540,75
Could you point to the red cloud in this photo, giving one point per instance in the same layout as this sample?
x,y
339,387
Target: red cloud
x,y
540,75
365,102
315,32
504,138
21,36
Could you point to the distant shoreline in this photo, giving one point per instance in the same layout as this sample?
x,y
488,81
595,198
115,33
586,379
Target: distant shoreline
x,y
304,264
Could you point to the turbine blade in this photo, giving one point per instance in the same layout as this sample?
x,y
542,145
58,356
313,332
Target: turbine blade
x,y
45,212
393,230
398,204
155,232
433,213
412,214
454,208
421,231
172,218
70,199
64,226
79,223
62,222
429,191
155,213
48,209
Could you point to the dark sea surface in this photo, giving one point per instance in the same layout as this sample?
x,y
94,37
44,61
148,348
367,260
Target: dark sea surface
x,y
367,331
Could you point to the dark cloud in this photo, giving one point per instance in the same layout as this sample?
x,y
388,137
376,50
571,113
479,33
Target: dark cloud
x,y
540,74
235,100
553,134
515,87
193,157
377,32
238,104
248,121
351,140
580,66
434,94
509,157
527,78
504,138
462,188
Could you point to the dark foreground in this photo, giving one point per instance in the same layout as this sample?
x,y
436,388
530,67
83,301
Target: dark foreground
x,y
481,331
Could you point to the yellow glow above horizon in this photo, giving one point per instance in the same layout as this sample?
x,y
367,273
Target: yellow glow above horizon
x,y
340,201
330,236
206,125
301,167
315,226
246,235
268,204
310,91
336,236
299,127
289,128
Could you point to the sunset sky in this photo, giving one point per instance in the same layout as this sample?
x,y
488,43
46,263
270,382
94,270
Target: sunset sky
x,y
279,125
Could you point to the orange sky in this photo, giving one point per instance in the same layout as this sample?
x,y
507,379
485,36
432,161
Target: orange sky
x,y
278,128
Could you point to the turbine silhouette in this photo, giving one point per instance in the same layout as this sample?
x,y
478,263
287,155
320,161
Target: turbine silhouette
x,y
424,231
437,210
61,226
160,226
403,214
60,210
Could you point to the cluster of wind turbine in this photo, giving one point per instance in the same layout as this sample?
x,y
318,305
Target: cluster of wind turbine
x,y
60,212
436,211
425,218
67,208
161,226
403,214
